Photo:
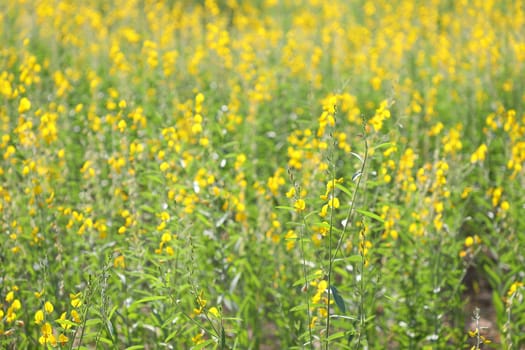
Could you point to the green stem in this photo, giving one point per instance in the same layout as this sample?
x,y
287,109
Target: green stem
x,y
352,204
305,274
331,261
333,256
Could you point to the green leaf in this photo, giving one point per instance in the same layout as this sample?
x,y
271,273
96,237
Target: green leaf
x,y
105,340
309,278
498,305
356,175
110,328
357,156
65,322
338,300
353,258
171,336
383,145
284,207
203,219
110,315
370,215
344,189
223,338
93,322
135,347
147,209
147,299
335,336
301,307
494,277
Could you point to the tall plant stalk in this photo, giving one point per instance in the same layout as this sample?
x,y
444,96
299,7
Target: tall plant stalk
x,y
349,216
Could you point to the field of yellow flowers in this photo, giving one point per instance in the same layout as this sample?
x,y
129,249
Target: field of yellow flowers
x,y
267,174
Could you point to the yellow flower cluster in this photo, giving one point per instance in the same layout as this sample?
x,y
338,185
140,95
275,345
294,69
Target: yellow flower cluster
x,y
142,125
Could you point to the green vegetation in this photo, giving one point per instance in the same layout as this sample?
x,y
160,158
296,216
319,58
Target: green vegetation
x,y
273,174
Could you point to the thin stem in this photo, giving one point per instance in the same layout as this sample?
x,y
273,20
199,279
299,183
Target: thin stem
x,y
330,262
303,259
333,256
305,274
362,315
352,204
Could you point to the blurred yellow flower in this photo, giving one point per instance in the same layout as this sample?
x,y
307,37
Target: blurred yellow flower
x,y
299,205
24,105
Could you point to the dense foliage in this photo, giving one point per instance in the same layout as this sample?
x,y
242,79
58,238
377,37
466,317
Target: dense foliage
x,y
267,174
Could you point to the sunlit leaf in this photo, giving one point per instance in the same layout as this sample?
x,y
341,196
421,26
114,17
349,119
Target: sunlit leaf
x,y
370,215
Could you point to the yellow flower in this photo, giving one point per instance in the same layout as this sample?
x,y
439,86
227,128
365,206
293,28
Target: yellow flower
x,y
514,287
199,99
213,310
333,203
75,316
290,237
17,305
75,299
312,322
321,288
62,321
201,303
170,251
324,211
122,125
119,262
479,155
299,205
197,339
47,335
48,307
62,339
164,166
24,105
166,237
290,193
39,317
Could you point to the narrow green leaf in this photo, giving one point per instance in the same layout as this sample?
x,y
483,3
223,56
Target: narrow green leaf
x,y
338,299
353,258
135,347
171,336
357,156
335,336
356,175
203,219
110,315
147,209
223,338
105,340
93,322
495,278
65,323
383,145
344,189
301,307
110,328
498,305
370,215
284,207
147,299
